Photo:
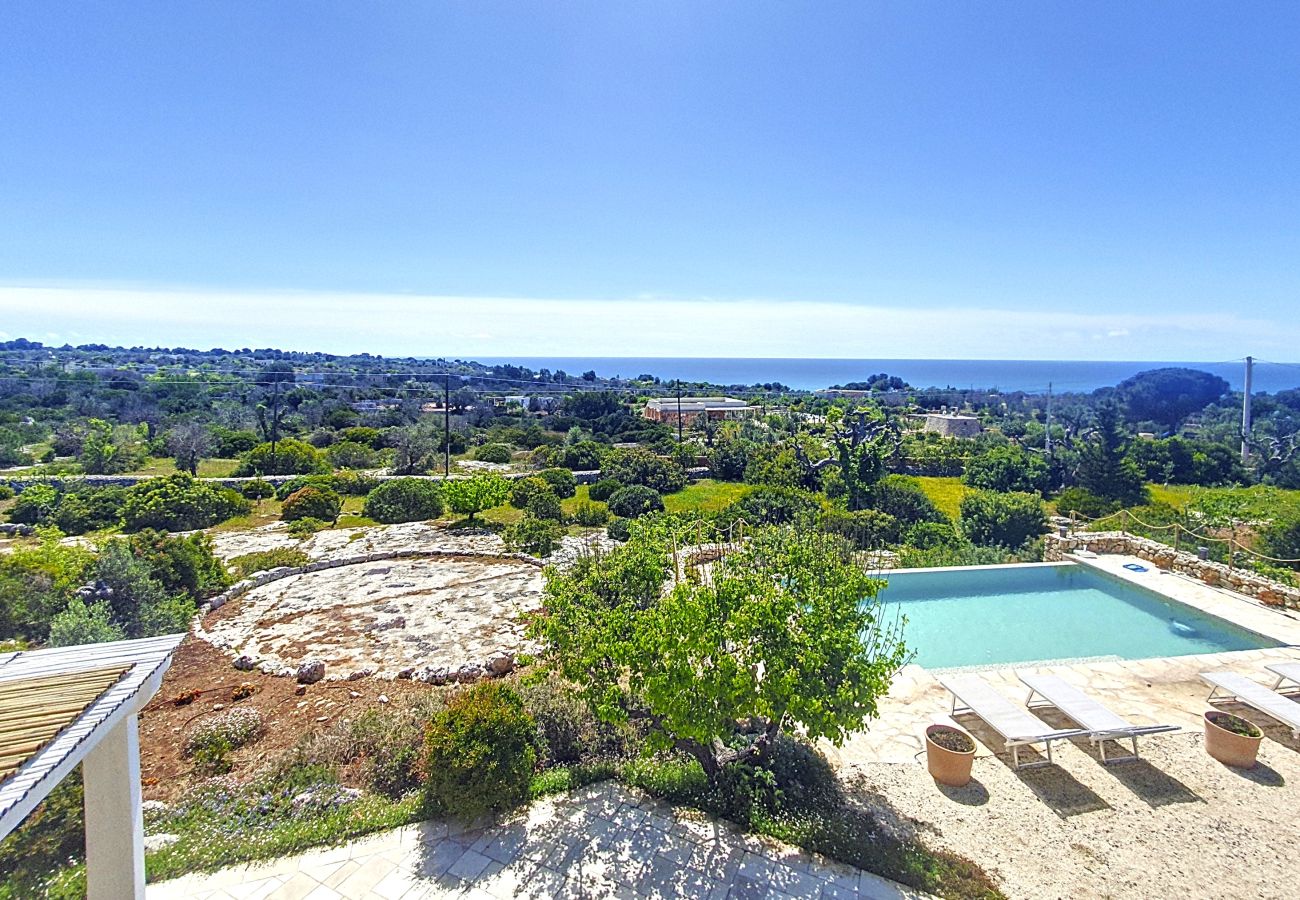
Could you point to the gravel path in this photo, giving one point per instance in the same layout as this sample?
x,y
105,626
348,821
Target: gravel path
x,y
1175,824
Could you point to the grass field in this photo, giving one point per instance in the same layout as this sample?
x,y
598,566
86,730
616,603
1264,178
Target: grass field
x,y
945,492
705,496
208,468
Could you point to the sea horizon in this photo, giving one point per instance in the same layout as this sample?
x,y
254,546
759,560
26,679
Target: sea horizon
x,y
1030,376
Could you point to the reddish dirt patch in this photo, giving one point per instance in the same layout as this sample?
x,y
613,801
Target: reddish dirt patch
x,y
202,678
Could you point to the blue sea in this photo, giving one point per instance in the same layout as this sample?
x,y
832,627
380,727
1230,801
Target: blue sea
x,y
1033,376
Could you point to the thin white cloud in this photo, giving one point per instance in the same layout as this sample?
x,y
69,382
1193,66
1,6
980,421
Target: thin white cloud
x,y
465,327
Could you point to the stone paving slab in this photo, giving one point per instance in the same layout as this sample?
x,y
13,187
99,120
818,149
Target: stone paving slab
x,y
602,841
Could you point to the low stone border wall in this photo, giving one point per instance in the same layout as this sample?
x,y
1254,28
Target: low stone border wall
x,y
313,670
1216,574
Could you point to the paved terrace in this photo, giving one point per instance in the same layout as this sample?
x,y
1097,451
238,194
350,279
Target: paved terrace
x,y
601,841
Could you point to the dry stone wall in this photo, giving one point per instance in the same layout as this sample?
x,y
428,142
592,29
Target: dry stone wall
x,y
1216,574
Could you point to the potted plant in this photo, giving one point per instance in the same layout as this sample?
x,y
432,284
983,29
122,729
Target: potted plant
x,y
949,752
1231,739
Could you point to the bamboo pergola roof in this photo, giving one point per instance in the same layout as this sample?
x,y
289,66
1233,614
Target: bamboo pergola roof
x,y
57,704
34,710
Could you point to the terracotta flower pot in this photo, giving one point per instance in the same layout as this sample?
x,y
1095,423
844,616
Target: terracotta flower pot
x,y
950,767
1228,747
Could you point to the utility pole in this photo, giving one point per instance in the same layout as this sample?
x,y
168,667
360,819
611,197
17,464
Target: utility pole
x,y
446,426
1047,435
679,415
275,420
1245,410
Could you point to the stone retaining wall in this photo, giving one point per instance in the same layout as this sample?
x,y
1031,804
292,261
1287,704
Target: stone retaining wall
x,y
497,665
1243,581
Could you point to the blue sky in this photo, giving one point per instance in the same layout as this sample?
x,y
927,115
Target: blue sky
x,y
1029,180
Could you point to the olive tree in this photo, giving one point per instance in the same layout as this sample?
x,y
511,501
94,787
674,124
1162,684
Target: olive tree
x,y
783,632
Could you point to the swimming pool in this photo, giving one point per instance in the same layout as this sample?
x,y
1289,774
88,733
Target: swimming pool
x,y
993,615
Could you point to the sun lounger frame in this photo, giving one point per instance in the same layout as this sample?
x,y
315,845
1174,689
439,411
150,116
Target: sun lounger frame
x,y
1098,736
1285,671
1257,696
1013,742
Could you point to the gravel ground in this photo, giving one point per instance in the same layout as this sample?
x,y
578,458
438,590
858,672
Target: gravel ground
x,y
1174,824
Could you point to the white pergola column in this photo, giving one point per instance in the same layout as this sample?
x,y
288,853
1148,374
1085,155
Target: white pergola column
x,y
114,821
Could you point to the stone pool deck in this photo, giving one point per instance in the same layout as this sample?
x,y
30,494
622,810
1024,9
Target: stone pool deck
x,y
1164,690
601,841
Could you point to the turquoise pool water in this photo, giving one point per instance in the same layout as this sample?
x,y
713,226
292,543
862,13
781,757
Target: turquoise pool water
x,y
997,615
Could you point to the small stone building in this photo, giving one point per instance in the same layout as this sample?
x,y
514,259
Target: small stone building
x,y
953,425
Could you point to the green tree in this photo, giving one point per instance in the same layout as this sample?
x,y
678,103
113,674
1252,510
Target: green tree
x,y
1007,468
107,450
782,633
287,457
83,623
1104,467
312,503
637,466
993,519
470,496
404,500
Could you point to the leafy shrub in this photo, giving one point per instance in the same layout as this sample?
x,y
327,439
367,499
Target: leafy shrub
x,y
290,457
6,492
522,490
1085,503
248,563
231,444
1281,540
866,529
590,515
351,455
604,489
635,500
479,753
1007,468
619,529
474,494
494,453
729,457
1009,520
84,623
637,466
569,730
929,535
534,534
258,489
304,528
183,564
35,505
354,484
582,456
179,503
312,503
545,505
85,508
904,499
296,484
404,500
561,481
768,505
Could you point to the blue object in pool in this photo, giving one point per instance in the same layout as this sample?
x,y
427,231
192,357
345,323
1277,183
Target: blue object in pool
x,y
995,615
1134,567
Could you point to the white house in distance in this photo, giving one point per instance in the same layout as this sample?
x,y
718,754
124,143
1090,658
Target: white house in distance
x,y
696,409
70,705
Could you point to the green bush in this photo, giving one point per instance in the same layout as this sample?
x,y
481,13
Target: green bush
x,y
84,623
312,503
185,564
604,489
1007,468
991,519
305,528
85,508
1085,503
248,563
36,504
257,489
634,501
494,453
296,484
351,455
6,492
290,457
729,457
929,535
561,481
522,490
619,529
768,505
479,753
533,534
904,499
1281,540
582,456
180,503
590,515
866,529
545,505
570,731
404,500
641,467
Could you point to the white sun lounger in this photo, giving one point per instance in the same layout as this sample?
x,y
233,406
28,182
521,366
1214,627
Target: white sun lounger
x,y
1285,671
1256,696
1102,724
1017,726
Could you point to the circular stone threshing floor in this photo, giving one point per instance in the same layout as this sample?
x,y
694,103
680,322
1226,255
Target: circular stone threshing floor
x,y
384,617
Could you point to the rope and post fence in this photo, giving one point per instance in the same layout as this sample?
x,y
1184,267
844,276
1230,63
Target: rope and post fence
x,y
1233,545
